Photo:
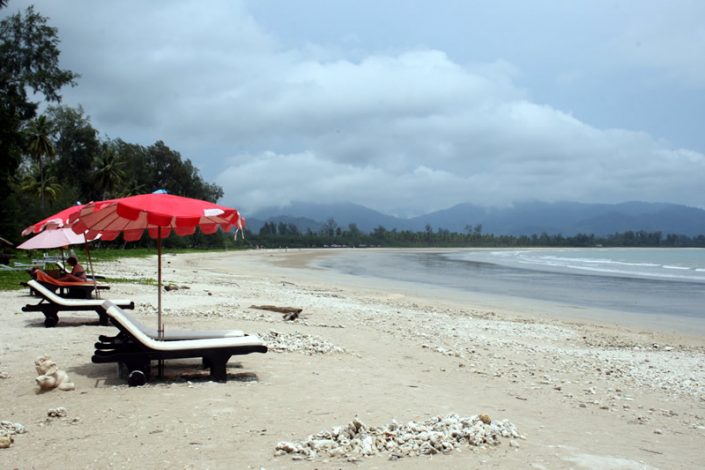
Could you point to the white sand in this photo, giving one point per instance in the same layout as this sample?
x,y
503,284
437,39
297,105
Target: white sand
x,y
584,395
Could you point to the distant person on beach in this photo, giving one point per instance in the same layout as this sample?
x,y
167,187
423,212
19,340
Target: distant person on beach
x,y
77,274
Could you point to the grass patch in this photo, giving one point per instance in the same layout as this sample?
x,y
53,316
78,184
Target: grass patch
x,y
145,281
10,280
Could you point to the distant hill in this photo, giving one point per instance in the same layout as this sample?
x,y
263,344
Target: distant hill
x,y
343,214
566,218
254,224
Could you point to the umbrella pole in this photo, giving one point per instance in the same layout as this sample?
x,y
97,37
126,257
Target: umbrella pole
x,y
160,326
90,266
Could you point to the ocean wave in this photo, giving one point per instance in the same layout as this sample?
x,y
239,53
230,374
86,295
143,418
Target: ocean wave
x,y
618,263
600,261
661,275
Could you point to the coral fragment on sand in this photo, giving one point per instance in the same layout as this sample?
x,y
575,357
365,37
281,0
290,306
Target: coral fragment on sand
x,y
435,435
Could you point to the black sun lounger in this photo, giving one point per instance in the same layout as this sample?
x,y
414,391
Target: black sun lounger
x,y
51,304
111,342
139,349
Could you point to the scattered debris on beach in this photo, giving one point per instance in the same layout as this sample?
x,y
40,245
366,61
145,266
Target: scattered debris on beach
x,y
6,442
59,412
171,286
7,430
433,436
50,376
290,313
298,342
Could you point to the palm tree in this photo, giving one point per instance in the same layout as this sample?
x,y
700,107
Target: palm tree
x,y
39,145
108,174
33,183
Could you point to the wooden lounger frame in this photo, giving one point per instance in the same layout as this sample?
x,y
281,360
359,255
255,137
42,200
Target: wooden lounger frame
x,y
51,304
138,349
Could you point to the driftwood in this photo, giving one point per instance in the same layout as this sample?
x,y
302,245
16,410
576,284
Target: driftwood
x,y
290,313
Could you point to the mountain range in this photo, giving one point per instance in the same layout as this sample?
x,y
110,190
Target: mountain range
x,y
565,218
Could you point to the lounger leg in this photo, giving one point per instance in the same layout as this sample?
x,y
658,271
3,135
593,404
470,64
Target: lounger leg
x,y
102,318
218,364
137,373
109,339
51,318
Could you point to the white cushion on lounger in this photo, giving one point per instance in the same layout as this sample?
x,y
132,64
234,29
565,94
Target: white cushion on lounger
x,y
58,300
173,335
134,329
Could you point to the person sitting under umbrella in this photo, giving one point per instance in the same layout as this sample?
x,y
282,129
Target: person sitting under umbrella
x,y
77,274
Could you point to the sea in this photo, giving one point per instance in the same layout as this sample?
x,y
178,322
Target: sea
x,y
648,281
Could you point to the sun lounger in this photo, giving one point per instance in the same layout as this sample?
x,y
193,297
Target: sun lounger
x,y
92,277
81,290
17,266
171,334
139,349
51,304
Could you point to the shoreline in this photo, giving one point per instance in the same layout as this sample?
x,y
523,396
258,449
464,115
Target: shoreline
x,y
582,394
301,262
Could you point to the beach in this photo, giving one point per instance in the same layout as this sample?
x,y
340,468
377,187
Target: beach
x,y
582,391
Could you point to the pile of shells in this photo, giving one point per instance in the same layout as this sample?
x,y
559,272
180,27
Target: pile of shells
x,y
298,342
8,428
435,435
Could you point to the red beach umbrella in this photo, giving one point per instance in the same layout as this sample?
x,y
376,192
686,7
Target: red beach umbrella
x,y
58,220
157,213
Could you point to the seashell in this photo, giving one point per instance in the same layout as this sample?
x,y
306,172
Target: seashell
x,y
485,419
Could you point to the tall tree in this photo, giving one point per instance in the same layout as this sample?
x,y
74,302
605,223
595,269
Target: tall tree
x,y
37,184
108,173
29,62
77,144
168,171
39,145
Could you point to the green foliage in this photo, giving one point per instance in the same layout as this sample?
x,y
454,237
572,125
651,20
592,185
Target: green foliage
x,y
166,170
271,236
108,174
77,144
145,281
49,162
10,280
35,184
29,62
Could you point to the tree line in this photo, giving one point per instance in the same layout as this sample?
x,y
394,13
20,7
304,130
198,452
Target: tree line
x,y
52,159
281,234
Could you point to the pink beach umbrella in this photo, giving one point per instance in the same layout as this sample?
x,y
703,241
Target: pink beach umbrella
x,y
54,232
57,238
157,213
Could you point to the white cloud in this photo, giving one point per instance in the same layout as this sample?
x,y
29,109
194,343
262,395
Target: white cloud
x,y
405,132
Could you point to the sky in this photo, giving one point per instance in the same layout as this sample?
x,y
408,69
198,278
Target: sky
x,y
404,107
